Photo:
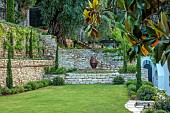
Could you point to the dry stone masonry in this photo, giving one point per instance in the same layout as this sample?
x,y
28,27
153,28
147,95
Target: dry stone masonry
x,y
24,71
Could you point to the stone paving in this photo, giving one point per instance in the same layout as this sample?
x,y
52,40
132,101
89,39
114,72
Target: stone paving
x,y
131,105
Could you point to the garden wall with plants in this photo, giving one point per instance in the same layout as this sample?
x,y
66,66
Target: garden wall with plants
x,y
24,39
24,71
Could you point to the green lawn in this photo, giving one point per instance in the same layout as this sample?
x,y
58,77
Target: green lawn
x,y
68,99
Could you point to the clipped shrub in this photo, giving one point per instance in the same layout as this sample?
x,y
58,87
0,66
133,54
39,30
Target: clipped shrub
x,y
13,91
58,81
60,71
121,70
46,82
20,89
147,83
160,111
130,81
132,87
40,85
134,97
6,91
33,85
27,87
146,92
118,80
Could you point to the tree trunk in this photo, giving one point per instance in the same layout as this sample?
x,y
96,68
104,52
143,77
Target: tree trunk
x,y
138,75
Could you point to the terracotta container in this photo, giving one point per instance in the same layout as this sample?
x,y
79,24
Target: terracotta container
x,y
93,62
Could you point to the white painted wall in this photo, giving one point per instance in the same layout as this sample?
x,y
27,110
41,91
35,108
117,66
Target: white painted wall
x,y
166,81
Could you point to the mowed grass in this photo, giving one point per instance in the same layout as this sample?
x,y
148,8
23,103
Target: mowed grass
x,y
68,99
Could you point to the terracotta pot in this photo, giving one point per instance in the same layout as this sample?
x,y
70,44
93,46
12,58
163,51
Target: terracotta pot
x,y
93,62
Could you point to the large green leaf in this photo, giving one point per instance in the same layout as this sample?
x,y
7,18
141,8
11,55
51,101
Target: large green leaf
x,y
168,61
137,32
151,32
121,27
128,3
149,40
142,4
158,51
164,22
135,48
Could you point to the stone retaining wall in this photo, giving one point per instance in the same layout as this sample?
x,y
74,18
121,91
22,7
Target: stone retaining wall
x,y
96,78
24,71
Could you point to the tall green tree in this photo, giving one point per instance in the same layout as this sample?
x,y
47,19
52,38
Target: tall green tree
x,y
10,11
9,79
63,17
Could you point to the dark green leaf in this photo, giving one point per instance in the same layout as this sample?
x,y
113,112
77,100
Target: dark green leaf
x,y
149,40
151,32
121,27
163,59
158,51
135,48
168,61
148,48
137,32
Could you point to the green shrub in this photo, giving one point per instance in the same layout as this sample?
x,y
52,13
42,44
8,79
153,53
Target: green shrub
x,y
131,69
118,80
121,70
46,82
132,87
6,91
33,85
27,87
160,111
147,83
163,104
58,81
146,92
133,97
130,81
39,84
60,71
149,111
20,89
13,91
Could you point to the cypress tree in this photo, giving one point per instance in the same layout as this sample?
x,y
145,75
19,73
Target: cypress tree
x,y
30,45
138,75
26,45
9,80
10,11
11,44
56,57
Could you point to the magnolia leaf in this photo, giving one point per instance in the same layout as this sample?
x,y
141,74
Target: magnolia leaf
x,y
95,3
148,48
151,32
155,43
137,32
121,4
158,51
129,3
135,48
121,27
132,38
98,19
149,40
164,22
157,29
86,14
141,5
163,59
127,25
168,61
90,4
144,50
94,33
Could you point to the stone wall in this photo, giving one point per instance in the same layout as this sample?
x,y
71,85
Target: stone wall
x,y
24,71
96,78
80,58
